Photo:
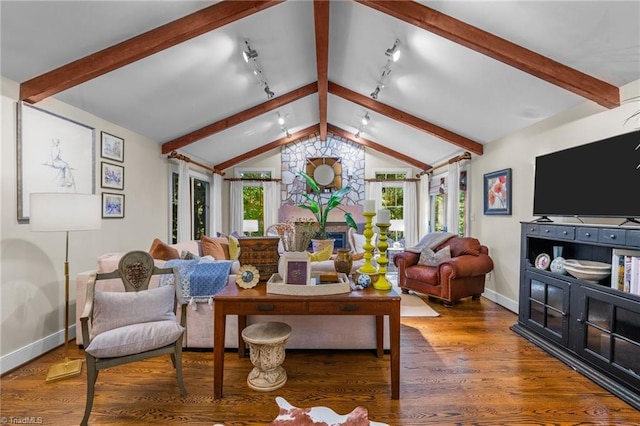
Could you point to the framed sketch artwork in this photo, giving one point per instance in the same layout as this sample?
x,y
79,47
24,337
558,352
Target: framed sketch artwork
x,y
111,176
112,205
54,154
111,147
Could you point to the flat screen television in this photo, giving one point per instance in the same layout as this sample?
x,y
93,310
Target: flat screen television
x,y
598,179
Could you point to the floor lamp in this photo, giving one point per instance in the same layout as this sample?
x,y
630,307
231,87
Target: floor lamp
x,y
64,212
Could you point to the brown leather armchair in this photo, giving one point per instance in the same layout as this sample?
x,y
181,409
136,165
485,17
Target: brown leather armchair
x,y
461,276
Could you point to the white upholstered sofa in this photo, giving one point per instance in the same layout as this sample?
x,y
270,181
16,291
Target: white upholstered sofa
x,y
309,332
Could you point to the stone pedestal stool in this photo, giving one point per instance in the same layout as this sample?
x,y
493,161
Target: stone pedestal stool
x,y
266,343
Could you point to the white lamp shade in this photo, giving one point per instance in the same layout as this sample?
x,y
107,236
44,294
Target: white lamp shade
x,y
59,211
250,225
397,225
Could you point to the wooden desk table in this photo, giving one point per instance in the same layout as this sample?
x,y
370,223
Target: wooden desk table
x,y
233,300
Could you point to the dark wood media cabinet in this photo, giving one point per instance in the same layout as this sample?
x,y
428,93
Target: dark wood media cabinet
x,y
593,328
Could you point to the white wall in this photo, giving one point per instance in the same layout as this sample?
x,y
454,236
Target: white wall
x,y
32,273
583,124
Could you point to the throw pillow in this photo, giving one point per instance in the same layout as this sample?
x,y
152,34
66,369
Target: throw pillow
x,y
187,255
430,258
162,251
117,309
359,241
216,247
234,248
322,254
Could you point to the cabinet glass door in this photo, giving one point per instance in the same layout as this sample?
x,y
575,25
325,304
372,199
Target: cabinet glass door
x,y
547,305
609,333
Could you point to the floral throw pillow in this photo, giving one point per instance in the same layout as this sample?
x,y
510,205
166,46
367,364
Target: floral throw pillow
x,y
430,258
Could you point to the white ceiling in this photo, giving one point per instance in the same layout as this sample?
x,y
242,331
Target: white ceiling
x,y
205,79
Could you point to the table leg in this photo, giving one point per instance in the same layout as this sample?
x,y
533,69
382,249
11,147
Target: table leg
x,y
219,327
394,335
379,336
242,324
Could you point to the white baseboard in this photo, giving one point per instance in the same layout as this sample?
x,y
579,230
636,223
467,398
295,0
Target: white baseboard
x,y
501,300
33,350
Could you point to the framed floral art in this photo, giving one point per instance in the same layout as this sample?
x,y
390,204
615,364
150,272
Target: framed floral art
x,y
497,193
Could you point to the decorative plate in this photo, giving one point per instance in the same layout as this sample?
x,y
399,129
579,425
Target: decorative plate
x,y
542,261
247,276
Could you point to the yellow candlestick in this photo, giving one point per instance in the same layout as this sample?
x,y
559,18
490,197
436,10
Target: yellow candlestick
x,y
382,283
367,267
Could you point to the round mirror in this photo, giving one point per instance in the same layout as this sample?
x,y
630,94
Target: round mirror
x,y
324,174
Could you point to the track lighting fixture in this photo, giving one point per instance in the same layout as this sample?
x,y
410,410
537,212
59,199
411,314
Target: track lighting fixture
x,y
365,119
249,53
394,52
357,134
268,91
251,57
280,120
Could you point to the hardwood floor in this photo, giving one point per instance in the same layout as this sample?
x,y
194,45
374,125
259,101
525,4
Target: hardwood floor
x,y
464,367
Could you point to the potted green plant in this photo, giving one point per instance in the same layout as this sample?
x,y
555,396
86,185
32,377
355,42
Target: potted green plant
x,y
313,203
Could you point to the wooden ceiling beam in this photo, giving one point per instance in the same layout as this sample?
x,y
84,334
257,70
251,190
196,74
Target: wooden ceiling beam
x,y
500,49
267,147
321,20
238,118
139,47
378,147
409,120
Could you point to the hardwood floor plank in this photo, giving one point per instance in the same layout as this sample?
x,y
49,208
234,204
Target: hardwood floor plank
x,y
464,367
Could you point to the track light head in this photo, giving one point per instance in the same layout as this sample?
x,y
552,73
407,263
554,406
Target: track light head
x,y
249,53
268,91
374,94
365,119
357,134
280,120
394,52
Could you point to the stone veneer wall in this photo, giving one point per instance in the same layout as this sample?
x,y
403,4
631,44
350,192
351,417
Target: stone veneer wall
x,y
294,156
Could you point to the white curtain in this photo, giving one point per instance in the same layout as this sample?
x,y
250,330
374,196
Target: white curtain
x,y
236,207
271,194
410,213
453,198
424,211
374,192
184,202
215,205
466,166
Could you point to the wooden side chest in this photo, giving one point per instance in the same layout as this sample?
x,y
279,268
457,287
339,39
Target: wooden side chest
x,y
261,252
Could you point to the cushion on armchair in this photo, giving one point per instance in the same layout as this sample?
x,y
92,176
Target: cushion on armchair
x,y
430,258
132,322
461,246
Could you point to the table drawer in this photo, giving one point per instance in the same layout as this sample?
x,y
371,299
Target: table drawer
x,y
633,238
612,236
267,307
587,234
344,308
532,229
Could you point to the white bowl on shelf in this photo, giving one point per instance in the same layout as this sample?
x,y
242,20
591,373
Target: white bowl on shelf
x,y
588,270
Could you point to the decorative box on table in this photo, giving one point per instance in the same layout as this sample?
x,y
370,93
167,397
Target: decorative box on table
x,y
276,285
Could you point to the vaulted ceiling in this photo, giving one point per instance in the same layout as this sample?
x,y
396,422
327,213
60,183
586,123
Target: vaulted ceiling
x,y
469,72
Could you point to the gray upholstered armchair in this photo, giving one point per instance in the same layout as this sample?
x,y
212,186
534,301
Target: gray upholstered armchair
x,y
123,327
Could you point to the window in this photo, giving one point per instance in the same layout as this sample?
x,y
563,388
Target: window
x,y
393,196
253,195
199,196
438,193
